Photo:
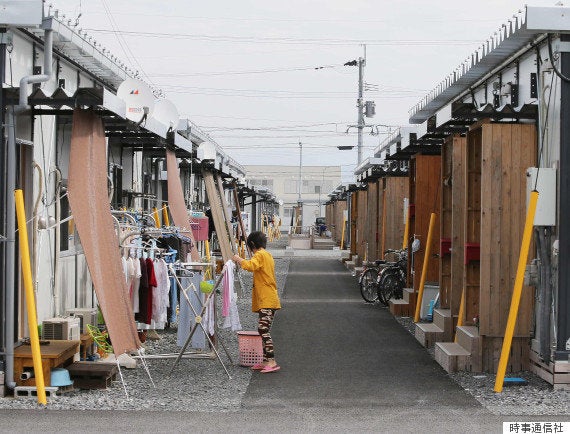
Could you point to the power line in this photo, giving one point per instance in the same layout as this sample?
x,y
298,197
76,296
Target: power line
x,y
358,20
289,40
257,71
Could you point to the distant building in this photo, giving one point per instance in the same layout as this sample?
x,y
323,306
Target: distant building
x,y
283,181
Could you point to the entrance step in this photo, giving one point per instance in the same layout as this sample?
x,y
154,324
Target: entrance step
x,y
442,319
323,244
468,338
428,334
410,296
401,308
451,356
93,375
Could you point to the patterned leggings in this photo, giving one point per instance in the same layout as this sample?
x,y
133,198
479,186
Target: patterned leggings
x,y
263,328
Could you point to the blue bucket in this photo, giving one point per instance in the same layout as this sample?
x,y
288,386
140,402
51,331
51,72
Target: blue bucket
x,y
60,377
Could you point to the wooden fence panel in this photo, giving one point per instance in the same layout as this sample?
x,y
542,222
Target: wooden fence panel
x,y
458,222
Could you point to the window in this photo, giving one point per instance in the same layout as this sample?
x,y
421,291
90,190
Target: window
x,y
290,186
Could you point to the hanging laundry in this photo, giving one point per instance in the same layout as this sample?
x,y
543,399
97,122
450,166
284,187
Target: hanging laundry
x,y
229,300
136,284
141,316
160,300
151,287
186,317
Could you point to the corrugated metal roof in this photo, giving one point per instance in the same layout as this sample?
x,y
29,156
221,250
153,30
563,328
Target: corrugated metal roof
x,y
524,28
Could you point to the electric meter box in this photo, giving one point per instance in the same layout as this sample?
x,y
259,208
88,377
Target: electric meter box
x,y
546,187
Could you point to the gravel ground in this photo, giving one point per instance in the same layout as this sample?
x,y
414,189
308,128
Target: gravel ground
x,y
195,384
537,398
202,385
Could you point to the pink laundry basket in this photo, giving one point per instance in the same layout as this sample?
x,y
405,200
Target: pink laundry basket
x,y
250,348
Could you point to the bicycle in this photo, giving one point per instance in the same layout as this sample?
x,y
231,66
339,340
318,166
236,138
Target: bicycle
x,y
368,281
392,277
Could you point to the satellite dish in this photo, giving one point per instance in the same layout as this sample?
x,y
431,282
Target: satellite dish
x,y
206,151
138,98
166,113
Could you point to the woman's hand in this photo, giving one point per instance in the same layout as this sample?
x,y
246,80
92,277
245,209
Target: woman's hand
x,y
237,259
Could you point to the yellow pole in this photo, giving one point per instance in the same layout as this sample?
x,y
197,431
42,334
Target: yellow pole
x,y
383,240
342,236
517,291
406,231
165,215
425,266
30,298
207,250
461,313
156,217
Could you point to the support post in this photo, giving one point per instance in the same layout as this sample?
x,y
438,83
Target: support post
x,y
30,297
425,267
563,308
517,291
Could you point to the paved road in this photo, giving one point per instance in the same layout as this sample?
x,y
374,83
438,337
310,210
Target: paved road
x,y
347,366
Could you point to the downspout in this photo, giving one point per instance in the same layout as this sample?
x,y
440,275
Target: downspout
x,y
10,203
47,70
56,278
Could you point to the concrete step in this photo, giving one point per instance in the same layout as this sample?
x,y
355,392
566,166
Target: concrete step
x,y
350,265
451,356
468,337
442,318
428,334
400,308
410,295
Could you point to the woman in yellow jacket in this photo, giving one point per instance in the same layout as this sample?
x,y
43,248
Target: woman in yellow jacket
x,y
264,298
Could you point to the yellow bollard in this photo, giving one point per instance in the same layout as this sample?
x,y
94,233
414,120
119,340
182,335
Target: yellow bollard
x,y
165,215
461,313
342,236
406,231
425,266
517,291
30,297
156,217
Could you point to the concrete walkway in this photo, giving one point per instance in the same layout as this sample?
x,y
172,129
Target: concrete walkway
x,y
338,352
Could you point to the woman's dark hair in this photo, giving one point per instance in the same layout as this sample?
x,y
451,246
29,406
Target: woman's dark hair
x,y
257,240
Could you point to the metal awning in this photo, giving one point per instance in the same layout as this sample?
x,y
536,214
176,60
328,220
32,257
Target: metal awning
x,y
149,134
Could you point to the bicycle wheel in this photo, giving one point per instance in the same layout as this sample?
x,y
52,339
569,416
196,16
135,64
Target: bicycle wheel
x,y
368,288
390,286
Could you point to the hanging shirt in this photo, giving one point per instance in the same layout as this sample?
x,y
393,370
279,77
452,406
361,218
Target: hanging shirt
x,y
151,286
160,294
136,284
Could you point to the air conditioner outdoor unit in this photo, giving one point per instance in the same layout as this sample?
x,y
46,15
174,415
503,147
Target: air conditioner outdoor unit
x,y
86,315
61,329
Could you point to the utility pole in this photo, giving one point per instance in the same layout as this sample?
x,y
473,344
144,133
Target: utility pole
x,y
299,199
360,104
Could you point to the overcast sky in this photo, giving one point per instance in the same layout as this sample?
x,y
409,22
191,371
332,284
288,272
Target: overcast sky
x,y
245,70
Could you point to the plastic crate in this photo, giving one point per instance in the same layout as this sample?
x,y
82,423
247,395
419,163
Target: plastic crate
x,y
250,348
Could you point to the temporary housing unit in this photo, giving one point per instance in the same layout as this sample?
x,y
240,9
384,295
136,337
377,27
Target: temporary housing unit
x,y
499,123
36,157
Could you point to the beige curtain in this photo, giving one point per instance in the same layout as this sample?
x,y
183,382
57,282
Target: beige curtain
x,y
176,201
89,201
